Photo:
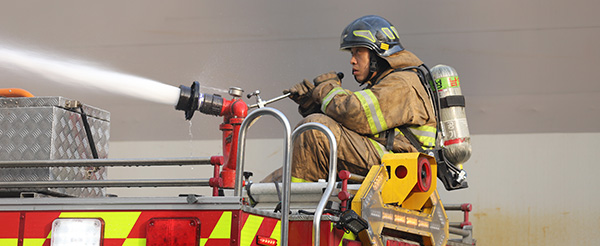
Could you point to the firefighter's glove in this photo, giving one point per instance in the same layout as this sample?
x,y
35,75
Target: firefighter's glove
x,y
300,92
331,76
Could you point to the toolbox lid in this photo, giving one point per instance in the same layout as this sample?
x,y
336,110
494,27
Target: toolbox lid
x,y
54,101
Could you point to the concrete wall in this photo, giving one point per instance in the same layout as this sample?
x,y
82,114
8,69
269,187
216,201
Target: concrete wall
x,y
527,70
533,189
526,189
525,66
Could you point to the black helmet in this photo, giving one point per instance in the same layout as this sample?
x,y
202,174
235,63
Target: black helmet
x,y
372,32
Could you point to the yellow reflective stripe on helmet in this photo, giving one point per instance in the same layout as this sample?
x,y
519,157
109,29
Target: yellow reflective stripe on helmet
x,y
116,224
250,229
223,227
372,110
425,135
395,31
332,93
388,33
365,34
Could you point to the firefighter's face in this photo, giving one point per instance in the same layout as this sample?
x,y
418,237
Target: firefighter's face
x,y
360,63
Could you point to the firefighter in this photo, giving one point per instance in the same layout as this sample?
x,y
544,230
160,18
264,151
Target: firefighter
x,y
363,120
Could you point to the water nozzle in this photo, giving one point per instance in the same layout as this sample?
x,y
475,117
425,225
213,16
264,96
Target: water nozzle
x,y
190,100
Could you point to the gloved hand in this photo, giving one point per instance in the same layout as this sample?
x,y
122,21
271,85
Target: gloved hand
x,y
331,76
309,109
300,92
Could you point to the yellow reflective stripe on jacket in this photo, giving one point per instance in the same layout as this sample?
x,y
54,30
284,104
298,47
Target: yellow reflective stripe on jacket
x,y
379,147
299,180
372,110
332,93
425,135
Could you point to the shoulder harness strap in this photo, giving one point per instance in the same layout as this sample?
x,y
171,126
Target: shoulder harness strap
x,y
424,75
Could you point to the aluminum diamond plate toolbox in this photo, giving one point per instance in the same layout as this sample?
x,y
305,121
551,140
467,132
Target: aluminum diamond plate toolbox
x,y
48,128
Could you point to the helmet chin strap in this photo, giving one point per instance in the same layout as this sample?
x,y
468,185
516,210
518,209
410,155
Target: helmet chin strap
x,y
372,69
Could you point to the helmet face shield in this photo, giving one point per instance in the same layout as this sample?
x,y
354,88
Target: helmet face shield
x,y
372,32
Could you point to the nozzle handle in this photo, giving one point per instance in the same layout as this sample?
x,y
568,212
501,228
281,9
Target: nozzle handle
x,y
262,103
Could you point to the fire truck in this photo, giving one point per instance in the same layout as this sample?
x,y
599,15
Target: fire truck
x,y
53,187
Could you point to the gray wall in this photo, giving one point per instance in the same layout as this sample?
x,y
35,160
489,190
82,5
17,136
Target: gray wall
x,y
526,68
533,189
526,189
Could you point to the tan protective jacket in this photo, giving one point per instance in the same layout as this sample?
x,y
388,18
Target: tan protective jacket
x,y
396,99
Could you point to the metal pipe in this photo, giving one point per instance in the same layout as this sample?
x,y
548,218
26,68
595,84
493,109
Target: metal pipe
x,y
453,207
332,173
455,224
105,162
457,231
106,183
287,173
356,178
267,192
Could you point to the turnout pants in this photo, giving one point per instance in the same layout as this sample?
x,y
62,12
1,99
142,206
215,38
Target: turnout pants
x,y
310,153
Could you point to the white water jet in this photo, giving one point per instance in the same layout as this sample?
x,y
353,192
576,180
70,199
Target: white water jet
x,y
71,72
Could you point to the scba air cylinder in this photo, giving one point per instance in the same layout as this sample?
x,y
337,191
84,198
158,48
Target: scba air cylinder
x,y
455,130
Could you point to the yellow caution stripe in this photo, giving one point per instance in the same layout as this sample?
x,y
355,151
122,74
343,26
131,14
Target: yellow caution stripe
x,y
116,224
250,229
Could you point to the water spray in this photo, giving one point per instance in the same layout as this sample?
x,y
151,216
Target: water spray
x,y
70,72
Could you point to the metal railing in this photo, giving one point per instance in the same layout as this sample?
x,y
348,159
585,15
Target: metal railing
x,y
332,173
286,177
287,173
464,228
104,163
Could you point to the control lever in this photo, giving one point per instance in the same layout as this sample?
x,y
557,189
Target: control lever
x,y
260,103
